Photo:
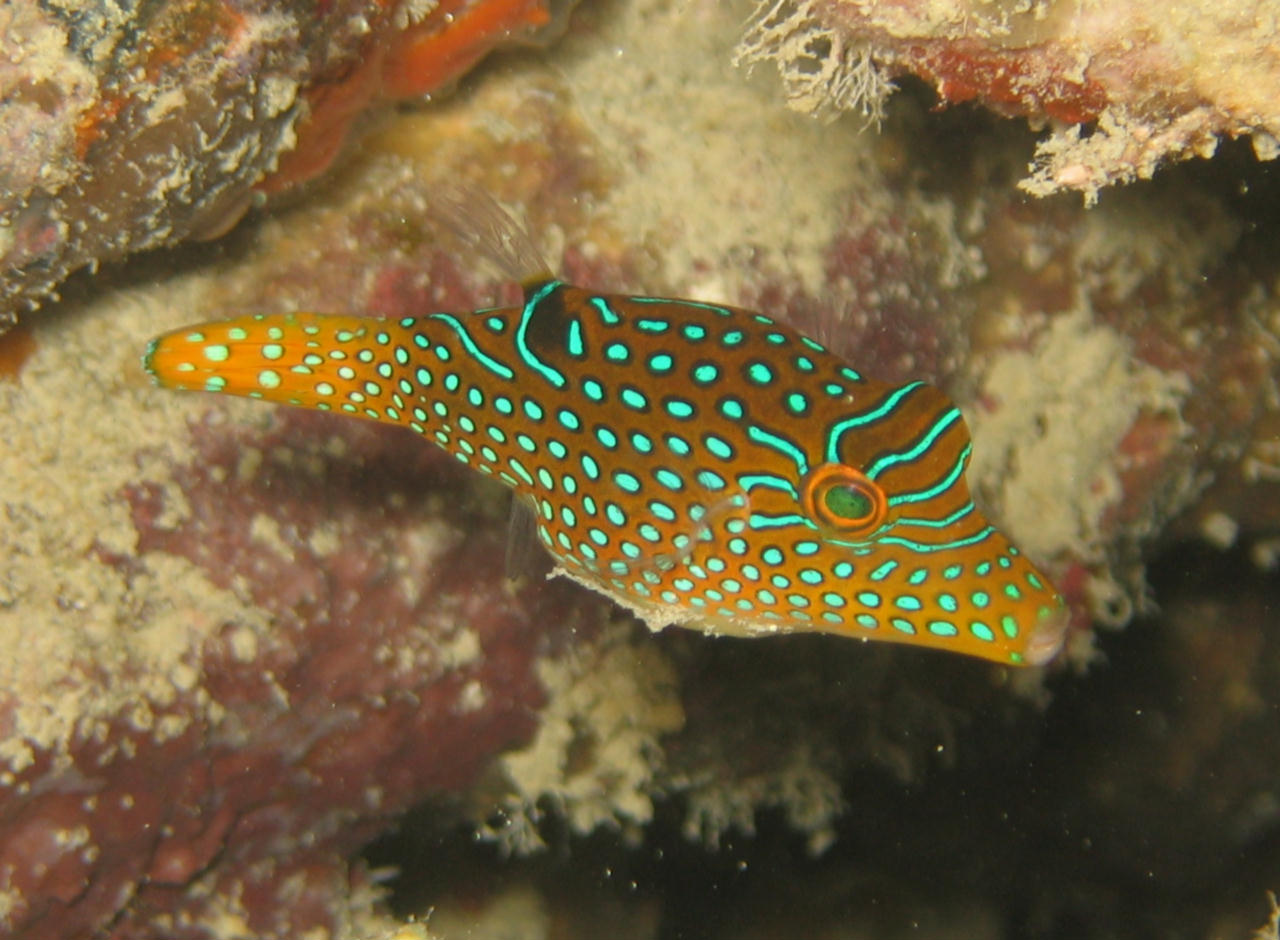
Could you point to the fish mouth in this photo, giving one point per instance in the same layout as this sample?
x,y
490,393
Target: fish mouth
x,y
1048,635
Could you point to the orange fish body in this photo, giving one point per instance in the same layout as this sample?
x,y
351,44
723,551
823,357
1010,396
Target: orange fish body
x,y
701,465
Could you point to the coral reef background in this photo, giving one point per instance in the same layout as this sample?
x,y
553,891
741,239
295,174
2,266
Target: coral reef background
x,y
239,645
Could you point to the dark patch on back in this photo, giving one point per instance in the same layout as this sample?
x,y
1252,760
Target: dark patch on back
x,y
547,332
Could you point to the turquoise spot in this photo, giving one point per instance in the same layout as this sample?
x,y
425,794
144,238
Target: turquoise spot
x,y
811,576
496,433
648,532
692,332
269,378
759,373
733,338
606,437
423,376
805,364
948,603
642,443
598,536
593,390
215,383
217,352
527,443
780,581
661,363
765,596
677,445
797,403
772,556
983,568
1009,626
558,450
834,599
842,570
633,398
324,388
1011,591
475,396
533,410
902,626
868,621
704,373
951,572
590,467
652,326
626,481
711,480
272,351
617,352
679,408
738,546
568,419
718,446
907,602
883,571
982,631
806,548
919,576
613,512
732,408
868,599
942,628
668,479
662,510
502,404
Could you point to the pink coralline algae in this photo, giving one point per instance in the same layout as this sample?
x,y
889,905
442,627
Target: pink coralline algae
x,y
397,666
1125,86
126,129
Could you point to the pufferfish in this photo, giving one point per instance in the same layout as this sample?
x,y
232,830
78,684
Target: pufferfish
x,y
699,464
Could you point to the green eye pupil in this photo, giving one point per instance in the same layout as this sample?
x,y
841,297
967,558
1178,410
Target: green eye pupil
x,y
846,502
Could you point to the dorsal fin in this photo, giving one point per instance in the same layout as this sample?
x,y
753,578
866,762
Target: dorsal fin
x,y
489,232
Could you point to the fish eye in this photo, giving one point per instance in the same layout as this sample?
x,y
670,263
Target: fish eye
x,y
844,499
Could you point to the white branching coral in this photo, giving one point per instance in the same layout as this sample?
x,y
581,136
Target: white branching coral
x,y
824,72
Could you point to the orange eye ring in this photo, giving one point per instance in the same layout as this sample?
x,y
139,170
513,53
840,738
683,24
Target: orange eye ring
x,y
844,499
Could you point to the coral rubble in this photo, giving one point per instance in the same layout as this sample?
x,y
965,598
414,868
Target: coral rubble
x,y
1126,87
127,127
